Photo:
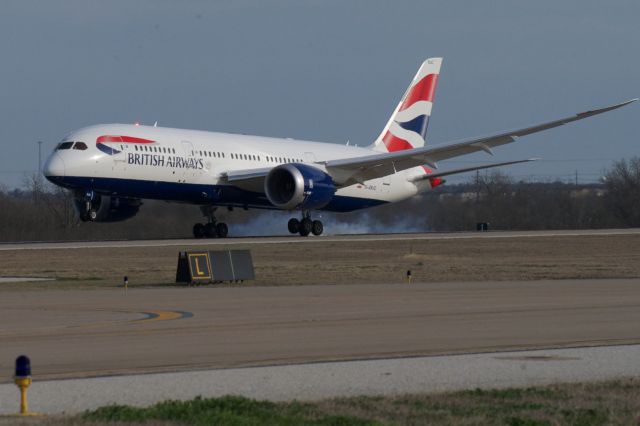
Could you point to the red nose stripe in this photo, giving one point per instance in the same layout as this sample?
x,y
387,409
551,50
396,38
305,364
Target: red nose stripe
x,y
116,138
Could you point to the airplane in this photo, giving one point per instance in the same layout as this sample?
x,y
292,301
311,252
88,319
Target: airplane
x,y
111,168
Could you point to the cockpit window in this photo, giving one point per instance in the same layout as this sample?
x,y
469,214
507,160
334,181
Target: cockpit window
x,y
64,145
80,146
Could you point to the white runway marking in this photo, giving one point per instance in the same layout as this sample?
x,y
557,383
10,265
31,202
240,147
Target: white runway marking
x,y
23,279
330,379
311,240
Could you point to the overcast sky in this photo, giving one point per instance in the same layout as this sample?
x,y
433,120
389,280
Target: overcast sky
x,y
323,70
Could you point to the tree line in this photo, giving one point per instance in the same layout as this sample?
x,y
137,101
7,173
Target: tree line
x,y
42,212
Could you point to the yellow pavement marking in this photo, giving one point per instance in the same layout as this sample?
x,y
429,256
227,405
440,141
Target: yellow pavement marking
x,y
161,316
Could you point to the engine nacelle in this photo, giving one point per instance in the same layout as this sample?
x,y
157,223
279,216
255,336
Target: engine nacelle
x,y
298,186
108,208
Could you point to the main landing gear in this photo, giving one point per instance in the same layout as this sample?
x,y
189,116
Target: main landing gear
x,y
305,226
213,228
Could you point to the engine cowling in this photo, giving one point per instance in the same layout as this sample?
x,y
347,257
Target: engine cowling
x,y
298,186
108,208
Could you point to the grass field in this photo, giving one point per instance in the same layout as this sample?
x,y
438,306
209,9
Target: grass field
x,y
606,403
532,258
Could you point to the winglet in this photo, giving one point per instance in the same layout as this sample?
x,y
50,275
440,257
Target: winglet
x,y
605,109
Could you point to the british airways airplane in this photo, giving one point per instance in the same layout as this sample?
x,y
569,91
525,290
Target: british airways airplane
x,y
111,167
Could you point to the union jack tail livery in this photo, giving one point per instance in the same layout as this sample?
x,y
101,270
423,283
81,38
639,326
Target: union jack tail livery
x,y
407,127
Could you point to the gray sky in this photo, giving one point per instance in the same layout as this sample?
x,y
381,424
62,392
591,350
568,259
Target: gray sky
x,y
323,70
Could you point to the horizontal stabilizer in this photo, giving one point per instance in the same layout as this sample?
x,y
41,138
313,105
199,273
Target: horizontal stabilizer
x,y
470,169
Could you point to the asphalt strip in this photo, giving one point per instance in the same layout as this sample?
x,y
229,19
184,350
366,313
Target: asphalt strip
x,y
331,379
322,239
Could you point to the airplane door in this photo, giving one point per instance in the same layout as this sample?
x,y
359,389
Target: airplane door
x,y
120,159
188,148
385,187
189,173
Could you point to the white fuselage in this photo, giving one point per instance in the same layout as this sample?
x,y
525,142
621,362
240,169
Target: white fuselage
x,y
189,166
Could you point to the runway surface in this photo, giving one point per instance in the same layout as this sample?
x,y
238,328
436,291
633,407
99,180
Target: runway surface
x,y
309,240
70,334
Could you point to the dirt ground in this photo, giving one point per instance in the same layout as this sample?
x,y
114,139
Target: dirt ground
x,y
353,262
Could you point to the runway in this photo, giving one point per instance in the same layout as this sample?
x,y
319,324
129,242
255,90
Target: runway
x,y
311,240
80,333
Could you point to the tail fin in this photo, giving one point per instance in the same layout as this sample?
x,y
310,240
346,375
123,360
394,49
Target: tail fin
x,y
407,127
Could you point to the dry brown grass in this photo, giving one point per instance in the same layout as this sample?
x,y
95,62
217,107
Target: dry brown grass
x,y
531,258
611,403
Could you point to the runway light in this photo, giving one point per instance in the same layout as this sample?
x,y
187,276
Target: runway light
x,y
409,276
23,381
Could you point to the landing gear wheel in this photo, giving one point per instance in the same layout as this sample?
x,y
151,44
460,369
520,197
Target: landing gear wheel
x,y
305,226
294,225
84,216
198,230
222,230
210,230
92,215
317,227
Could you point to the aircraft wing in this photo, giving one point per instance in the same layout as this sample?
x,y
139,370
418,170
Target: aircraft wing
x,y
250,180
348,171
351,170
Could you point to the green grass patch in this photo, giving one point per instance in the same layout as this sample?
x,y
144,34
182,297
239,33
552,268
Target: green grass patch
x,y
588,404
228,410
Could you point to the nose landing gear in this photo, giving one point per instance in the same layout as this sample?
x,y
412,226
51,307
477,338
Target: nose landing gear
x,y
85,206
213,228
305,226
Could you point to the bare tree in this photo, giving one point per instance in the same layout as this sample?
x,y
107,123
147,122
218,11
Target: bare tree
x,y
623,190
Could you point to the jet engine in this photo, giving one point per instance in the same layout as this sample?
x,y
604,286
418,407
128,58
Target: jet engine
x,y
298,186
105,208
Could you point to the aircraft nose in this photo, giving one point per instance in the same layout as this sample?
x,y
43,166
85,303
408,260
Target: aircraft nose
x,y
54,168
